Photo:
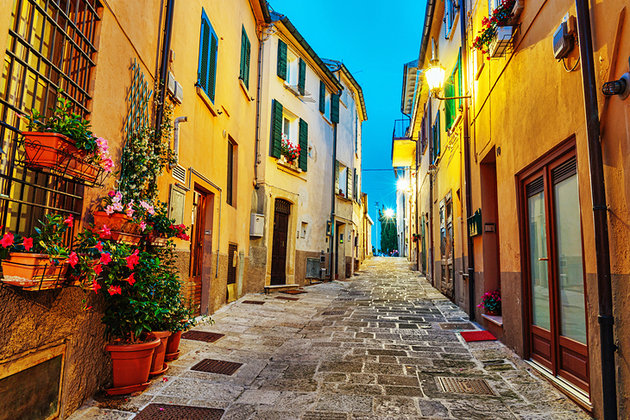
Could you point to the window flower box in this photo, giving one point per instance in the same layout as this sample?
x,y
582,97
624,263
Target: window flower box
x,y
33,271
118,227
501,42
516,12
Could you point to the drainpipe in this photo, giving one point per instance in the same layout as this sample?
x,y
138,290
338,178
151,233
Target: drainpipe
x,y
333,240
166,48
176,123
600,216
467,170
417,221
259,101
431,170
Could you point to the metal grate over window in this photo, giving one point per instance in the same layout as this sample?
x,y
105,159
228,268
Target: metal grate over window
x,y
50,47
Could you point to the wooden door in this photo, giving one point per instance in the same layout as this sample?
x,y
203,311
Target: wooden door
x,y
279,247
555,271
197,250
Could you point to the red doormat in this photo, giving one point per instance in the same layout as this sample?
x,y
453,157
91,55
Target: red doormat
x,y
477,336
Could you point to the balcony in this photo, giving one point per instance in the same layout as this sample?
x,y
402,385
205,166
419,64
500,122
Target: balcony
x,y
403,146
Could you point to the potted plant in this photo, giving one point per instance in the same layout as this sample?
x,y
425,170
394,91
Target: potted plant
x,y
38,262
288,150
415,237
177,328
158,227
64,142
496,33
113,219
491,302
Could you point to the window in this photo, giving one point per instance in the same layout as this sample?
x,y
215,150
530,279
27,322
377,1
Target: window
x,y
292,69
322,97
493,4
450,11
453,87
230,193
327,105
246,47
341,180
208,48
436,138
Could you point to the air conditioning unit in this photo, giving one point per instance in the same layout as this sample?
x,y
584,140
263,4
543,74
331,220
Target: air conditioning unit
x,y
175,89
257,225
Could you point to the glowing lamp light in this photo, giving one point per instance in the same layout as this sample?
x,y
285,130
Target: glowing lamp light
x,y
402,184
389,213
435,76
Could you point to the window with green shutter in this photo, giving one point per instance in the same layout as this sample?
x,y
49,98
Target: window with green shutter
x,y
302,77
276,129
453,88
322,97
246,48
334,108
208,51
282,60
436,137
303,159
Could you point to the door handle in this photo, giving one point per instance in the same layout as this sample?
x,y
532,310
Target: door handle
x,y
543,259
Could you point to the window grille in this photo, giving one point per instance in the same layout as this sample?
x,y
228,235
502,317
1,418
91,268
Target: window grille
x,y
50,47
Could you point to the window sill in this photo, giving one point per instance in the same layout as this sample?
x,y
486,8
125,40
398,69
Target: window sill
x,y
327,120
245,90
290,168
344,198
206,100
495,319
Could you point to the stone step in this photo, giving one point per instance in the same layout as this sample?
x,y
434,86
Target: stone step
x,y
280,287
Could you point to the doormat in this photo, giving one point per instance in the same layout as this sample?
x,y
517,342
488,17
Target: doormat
x,y
217,366
208,337
287,298
293,291
253,302
477,336
178,412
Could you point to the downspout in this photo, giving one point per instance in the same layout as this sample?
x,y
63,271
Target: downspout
x,y
333,240
417,221
431,169
600,215
176,123
166,48
259,102
467,170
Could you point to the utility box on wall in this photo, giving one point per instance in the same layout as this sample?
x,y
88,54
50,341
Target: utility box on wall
x,y
257,225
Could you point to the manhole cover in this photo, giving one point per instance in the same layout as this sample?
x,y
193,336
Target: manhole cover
x,y
253,302
333,313
464,386
217,366
208,337
287,298
178,412
293,292
457,326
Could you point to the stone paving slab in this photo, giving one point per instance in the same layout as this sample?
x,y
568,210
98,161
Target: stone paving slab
x,y
369,348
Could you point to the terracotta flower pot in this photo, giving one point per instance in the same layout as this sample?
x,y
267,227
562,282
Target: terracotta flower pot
x,y
172,346
131,364
34,271
58,152
114,221
157,363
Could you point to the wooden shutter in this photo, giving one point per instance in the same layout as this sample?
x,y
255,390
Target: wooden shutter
x,y
247,62
302,77
204,46
322,97
438,134
245,58
276,128
303,160
449,106
241,74
334,108
212,65
355,186
349,181
282,60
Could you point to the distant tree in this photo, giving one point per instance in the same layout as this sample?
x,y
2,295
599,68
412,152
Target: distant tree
x,y
389,239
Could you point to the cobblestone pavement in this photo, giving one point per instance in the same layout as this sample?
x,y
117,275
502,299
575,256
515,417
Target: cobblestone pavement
x,y
370,348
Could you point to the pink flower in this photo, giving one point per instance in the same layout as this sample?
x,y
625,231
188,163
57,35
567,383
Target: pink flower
x,y
114,290
131,280
129,210
109,210
111,194
117,206
107,164
105,232
73,259
106,258
98,269
148,207
143,225
117,198
7,240
133,259
27,243
68,221
99,246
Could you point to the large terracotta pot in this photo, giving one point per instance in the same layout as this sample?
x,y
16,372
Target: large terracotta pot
x,y
157,364
131,364
122,228
58,152
172,346
32,271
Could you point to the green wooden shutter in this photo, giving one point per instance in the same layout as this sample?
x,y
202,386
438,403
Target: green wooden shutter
x,y
302,77
337,177
247,61
303,160
438,130
212,67
322,97
276,128
349,185
245,58
334,108
282,60
449,106
204,45
241,74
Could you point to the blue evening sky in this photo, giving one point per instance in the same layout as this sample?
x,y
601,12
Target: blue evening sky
x,y
374,39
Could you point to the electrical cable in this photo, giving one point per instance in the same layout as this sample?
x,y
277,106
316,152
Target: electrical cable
x,y
564,64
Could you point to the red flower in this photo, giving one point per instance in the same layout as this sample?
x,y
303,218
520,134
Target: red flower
x,y
95,287
68,221
98,269
7,240
99,246
133,259
131,280
114,290
27,243
105,258
105,232
73,259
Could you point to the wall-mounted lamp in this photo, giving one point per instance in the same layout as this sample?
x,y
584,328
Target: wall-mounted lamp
x,y
619,87
435,75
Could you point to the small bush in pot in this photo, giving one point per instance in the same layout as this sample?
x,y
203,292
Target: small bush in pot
x,y
491,302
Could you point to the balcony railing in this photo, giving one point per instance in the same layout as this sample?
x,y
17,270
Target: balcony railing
x,y
401,129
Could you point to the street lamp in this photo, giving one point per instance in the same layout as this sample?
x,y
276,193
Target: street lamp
x,y
435,75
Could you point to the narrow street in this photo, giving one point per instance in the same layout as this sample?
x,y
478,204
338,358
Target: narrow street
x,y
370,348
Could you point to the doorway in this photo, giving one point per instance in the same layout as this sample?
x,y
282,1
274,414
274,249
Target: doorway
x,y
447,247
200,248
282,210
340,255
554,270
230,294
490,228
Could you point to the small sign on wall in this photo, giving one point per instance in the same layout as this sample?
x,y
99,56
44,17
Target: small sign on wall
x,y
474,224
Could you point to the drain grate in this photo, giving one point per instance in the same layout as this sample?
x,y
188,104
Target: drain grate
x,y
208,337
464,386
253,302
217,366
457,326
287,298
293,292
178,412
